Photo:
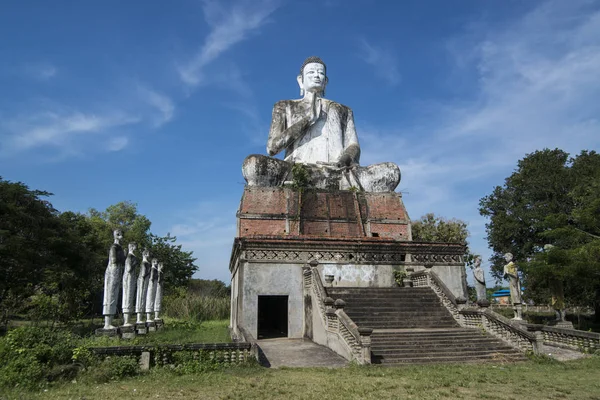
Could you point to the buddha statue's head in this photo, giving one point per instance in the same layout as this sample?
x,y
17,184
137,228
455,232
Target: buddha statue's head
x,y
117,235
146,254
508,257
132,247
477,262
313,76
155,263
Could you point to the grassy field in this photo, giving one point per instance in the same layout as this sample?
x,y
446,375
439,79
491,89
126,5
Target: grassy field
x,y
175,332
530,380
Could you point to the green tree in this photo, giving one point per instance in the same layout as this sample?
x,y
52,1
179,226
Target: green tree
x,y
178,264
550,199
431,228
29,228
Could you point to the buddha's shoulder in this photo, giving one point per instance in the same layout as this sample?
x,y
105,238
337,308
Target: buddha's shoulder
x,y
282,104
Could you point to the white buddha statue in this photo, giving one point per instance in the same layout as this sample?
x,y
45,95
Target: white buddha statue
x,y
129,284
112,279
319,134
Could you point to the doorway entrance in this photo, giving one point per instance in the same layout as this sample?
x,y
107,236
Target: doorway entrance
x,y
272,317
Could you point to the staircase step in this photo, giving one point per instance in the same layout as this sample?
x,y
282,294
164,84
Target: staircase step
x,y
411,325
458,359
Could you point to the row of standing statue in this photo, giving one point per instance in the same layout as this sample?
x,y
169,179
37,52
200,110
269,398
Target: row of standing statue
x,y
140,295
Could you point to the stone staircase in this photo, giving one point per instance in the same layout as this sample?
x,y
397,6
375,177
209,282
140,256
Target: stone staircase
x,y
410,325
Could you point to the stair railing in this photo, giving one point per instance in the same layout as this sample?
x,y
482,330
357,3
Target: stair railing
x,y
495,324
573,339
357,341
428,278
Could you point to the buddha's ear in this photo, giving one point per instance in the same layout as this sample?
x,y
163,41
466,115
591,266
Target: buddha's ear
x,y
299,80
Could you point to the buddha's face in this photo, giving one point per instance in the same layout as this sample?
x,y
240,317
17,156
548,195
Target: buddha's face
x,y
508,257
155,262
313,78
146,254
117,234
477,262
132,247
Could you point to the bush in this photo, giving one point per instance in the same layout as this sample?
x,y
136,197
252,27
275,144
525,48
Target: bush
x,y
113,368
24,371
187,362
46,345
31,354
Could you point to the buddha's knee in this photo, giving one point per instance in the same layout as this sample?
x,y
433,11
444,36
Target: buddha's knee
x,y
383,177
259,170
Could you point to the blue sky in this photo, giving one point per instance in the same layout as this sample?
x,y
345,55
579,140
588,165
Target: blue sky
x,y
160,103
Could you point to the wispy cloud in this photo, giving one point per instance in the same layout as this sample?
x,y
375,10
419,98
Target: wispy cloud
x,y
58,129
160,102
117,143
228,27
537,85
382,60
40,71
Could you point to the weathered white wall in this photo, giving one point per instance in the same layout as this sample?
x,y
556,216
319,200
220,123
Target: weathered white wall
x,y
271,279
358,275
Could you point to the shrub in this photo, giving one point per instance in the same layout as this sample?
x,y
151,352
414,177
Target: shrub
x,y
32,354
113,368
196,307
24,371
187,362
48,346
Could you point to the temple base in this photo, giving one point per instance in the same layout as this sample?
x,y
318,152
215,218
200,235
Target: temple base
x,y
140,328
127,331
107,332
151,326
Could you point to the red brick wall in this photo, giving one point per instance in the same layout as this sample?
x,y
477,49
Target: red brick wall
x,y
322,213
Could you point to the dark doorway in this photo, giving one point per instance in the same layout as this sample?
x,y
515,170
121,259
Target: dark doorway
x,y
272,316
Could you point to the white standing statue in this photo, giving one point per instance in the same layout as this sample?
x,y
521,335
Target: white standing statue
x,y
479,276
151,295
142,286
511,271
129,283
319,134
159,291
112,279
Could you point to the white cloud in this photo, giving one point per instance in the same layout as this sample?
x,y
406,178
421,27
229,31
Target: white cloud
x,y
228,27
382,60
57,129
537,86
160,102
118,143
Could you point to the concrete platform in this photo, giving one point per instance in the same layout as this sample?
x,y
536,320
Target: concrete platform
x,y
285,352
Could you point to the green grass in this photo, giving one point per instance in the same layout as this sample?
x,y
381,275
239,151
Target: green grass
x,y
529,380
174,332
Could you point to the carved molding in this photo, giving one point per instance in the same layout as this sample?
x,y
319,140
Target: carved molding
x,y
299,250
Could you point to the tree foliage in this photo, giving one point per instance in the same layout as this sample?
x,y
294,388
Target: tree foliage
x,y
432,228
28,232
550,198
